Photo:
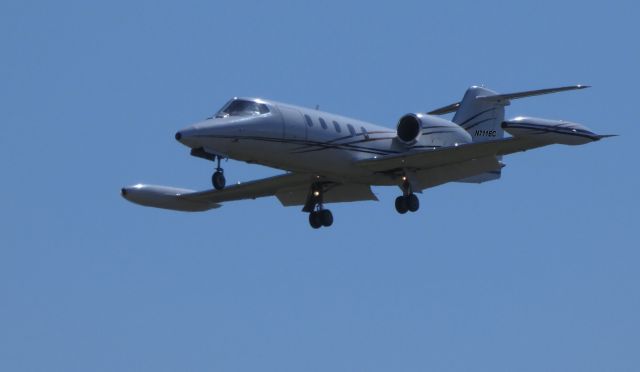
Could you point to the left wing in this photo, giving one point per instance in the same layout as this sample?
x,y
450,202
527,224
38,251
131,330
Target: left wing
x,y
450,155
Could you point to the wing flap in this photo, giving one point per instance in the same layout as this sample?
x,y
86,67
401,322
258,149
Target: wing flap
x,y
336,193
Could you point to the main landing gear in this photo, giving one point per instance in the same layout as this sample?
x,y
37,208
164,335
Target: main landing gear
x,y
318,216
408,201
217,179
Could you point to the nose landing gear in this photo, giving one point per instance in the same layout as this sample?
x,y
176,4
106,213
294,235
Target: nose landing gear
x,y
217,179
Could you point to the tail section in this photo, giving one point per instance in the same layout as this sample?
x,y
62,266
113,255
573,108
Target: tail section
x,y
480,115
482,118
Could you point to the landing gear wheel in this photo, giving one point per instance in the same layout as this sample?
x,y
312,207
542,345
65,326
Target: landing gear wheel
x,y
413,203
315,220
402,206
218,180
326,217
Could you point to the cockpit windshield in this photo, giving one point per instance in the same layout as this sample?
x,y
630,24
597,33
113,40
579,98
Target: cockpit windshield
x,y
239,107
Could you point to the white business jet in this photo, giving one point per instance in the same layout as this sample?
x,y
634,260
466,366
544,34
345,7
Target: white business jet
x,y
330,158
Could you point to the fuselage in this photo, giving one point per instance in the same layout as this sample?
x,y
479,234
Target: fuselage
x,y
299,139
336,159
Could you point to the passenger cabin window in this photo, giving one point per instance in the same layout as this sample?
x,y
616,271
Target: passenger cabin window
x,y
337,126
308,119
241,107
364,131
352,130
323,124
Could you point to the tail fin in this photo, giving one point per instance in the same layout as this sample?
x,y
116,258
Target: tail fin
x,y
482,118
479,116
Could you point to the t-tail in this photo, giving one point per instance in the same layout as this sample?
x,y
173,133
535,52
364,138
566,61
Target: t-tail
x,y
482,119
479,116
481,113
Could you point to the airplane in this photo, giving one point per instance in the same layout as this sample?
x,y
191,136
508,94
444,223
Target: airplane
x,y
329,158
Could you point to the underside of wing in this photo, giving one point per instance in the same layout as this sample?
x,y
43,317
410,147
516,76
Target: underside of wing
x,y
252,189
289,188
333,193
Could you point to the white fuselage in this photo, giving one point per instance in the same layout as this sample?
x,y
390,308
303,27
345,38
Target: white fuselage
x,y
298,139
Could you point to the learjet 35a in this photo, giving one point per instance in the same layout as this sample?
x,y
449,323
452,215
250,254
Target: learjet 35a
x,y
330,158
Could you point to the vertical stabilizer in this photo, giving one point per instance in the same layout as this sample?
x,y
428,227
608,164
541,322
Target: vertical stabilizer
x,y
480,115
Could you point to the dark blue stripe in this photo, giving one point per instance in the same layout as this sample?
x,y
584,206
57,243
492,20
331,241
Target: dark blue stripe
x,y
555,129
478,123
475,116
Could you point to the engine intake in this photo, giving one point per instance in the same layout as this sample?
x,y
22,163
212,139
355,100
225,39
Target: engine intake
x,y
409,128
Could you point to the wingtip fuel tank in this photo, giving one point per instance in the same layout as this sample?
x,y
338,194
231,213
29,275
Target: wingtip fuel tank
x,y
164,197
552,131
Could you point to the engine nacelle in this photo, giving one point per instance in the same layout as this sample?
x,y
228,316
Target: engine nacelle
x,y
429,130
409,128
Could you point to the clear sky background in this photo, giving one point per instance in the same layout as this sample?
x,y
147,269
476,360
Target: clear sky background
x,y
538,271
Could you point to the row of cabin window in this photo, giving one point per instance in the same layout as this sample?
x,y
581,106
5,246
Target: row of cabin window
x,y
336,125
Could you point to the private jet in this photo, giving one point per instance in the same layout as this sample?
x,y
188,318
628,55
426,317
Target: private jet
x,y
329,158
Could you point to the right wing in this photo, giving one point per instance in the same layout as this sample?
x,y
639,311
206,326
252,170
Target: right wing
x,y
252,189
289,188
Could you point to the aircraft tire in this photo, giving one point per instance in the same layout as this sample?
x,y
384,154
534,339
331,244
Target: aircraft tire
x,y
315,220
413,203
401,204
326,217
218,181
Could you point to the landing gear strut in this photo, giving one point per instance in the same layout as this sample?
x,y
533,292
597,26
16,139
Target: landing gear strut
x,y
318,216
217,179
408,201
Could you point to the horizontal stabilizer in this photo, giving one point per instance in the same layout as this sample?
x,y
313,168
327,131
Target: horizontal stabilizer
x,y
508,96
531,93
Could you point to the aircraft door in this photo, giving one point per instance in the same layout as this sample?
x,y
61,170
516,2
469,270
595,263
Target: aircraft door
x,y
294,124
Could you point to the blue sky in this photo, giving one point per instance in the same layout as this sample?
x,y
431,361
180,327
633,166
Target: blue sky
x,y
538,271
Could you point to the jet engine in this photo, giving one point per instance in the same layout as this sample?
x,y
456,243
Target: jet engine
x,y
429,130
409,128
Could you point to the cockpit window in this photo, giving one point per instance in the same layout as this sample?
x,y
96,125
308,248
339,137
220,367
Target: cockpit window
x,y
240,107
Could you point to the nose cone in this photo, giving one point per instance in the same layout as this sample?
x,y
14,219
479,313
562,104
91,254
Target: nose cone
x,y
189,137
